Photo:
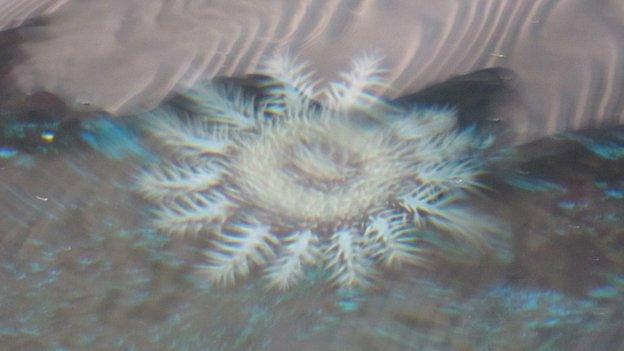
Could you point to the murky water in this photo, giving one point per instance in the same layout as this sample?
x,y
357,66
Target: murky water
x,y
520,249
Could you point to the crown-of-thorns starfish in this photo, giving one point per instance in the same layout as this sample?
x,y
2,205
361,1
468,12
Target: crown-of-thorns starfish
x,y
286,182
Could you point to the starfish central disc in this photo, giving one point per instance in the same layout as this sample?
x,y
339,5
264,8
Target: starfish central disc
x,y
313,175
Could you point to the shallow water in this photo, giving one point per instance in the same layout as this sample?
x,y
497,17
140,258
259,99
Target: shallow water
x,y
122,55
82,269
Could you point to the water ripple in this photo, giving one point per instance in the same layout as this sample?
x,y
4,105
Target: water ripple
x,y
123,55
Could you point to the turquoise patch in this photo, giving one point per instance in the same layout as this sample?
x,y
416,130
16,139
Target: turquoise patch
x,y
112,138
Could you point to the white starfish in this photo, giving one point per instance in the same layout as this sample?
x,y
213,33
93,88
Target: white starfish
x,y
315,184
